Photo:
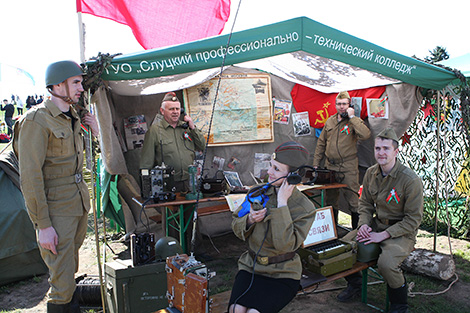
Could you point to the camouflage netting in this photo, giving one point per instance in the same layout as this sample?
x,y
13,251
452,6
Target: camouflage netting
x,y
443,173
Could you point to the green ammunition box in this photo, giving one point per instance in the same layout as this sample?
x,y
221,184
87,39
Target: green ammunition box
x,y
139,289
327,267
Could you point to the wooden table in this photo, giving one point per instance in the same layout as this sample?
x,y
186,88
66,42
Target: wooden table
x,y
322,188
173,211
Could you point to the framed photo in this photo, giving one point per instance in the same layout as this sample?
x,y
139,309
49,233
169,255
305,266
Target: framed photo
x,y
377,108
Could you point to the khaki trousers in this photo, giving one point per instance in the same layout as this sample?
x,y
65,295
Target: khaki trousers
x,y
394,252
351,178
71,231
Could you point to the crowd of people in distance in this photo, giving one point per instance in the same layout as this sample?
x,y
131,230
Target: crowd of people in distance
x,y
9,116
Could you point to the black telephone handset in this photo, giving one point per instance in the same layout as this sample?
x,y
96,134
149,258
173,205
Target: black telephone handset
x,y
185,124
345,115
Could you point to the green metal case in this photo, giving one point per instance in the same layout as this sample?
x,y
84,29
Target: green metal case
x,y
139,289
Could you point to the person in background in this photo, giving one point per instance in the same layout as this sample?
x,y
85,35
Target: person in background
x,y
48,142
40,100
30,102
19,105
338,145
270,271
9,111
174,142
390,212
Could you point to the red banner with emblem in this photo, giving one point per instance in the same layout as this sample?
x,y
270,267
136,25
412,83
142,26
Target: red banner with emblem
x,y
320,106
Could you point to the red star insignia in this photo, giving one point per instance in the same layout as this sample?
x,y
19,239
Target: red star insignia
x,y
427,110
405,139
424,159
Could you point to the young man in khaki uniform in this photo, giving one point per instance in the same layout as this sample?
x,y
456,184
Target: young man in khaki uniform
x,y
391,209
48,142
338,145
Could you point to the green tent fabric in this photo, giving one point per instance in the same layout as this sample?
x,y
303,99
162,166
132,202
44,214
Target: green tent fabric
x,y
19,253
292,36
110,202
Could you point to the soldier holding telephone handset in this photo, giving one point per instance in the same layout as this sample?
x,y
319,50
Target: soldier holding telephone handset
x,y
338,144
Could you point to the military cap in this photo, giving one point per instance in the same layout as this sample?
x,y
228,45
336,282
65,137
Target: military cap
x,y
343,95
291,153
388,133
170,96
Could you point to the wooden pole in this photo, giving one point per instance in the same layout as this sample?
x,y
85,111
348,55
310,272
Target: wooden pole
x,y
437,168
81,30
95,216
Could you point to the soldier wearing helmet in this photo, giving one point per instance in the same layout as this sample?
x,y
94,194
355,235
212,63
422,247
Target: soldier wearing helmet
x,y
48,142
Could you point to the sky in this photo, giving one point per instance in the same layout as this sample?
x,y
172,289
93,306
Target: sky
x,y
36,33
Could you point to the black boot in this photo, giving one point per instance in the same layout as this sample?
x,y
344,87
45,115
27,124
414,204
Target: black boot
x,y
58,308
398,299
75,303
354,220
353,290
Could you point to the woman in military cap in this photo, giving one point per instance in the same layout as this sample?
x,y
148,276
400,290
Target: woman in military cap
x,y
269,272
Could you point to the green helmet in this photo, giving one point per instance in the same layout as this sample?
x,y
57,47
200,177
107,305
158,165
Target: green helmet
x,y
167,246
367,253
59,71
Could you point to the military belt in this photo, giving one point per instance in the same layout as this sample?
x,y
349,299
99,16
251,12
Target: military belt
x,y
54,182
265,260
388,222
339,161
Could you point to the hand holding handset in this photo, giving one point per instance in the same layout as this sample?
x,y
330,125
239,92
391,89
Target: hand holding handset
x,y
345,115
183,114
257,197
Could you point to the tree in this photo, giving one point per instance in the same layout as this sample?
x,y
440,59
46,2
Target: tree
x,y
438,54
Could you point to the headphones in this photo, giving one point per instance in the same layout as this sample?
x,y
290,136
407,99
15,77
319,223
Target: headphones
x,y
295,177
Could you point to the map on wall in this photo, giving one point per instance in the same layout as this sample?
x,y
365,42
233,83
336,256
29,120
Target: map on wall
x,y
242,113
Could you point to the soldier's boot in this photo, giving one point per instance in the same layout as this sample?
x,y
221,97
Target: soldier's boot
x,y
398,299
354,220
75,304
353,290
58,308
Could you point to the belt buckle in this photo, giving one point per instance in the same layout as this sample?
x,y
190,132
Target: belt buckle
x,y
263,260
78,178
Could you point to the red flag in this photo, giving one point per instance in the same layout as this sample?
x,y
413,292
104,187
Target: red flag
x,y
164,22
320,106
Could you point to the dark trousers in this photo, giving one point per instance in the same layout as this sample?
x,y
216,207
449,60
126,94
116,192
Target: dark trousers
x,y
10,123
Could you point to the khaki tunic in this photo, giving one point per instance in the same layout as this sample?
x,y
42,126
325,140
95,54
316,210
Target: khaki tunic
x,y
406,215
50,153
337,144
178,152
288,228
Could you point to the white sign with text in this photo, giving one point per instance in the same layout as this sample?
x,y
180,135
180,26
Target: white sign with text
x,y
323,228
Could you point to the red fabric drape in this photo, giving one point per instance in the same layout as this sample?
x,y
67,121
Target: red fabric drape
x,y
320,106
164,22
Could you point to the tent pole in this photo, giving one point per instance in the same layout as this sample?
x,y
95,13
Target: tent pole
x,y
81,30
95,217
437,167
